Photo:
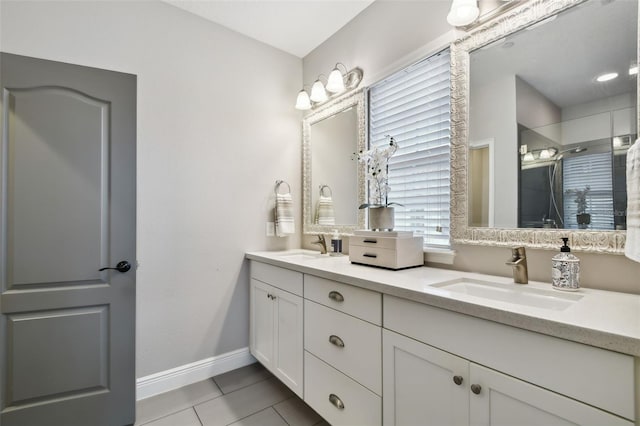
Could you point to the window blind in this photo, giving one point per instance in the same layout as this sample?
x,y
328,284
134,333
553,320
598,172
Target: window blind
x,y
594,171
413,106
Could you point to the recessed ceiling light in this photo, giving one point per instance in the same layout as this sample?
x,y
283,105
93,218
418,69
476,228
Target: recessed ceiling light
x,y
606,77
633,70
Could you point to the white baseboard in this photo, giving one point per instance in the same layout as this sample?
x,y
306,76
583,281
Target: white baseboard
x,y
187,374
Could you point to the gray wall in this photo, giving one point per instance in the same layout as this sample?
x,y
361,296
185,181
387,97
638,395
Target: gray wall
x,y
205,176
389,35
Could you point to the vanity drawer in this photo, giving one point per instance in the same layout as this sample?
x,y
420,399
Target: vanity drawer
x,y
373,242
337,398
356,301
598,377
282,278
398,258
346,343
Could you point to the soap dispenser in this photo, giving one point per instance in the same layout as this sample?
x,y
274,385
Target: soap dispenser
x,y
336,244
565,272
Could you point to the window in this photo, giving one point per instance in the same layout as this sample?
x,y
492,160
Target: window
x,y
592,171
413,106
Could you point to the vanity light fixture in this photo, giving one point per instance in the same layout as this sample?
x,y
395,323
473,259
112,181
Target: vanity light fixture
x,y
545,154
463,12
303,102
318,92
606,77
337,84
539,154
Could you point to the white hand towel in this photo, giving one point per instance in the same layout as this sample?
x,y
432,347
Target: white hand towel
x,y
284,215
632,246
325,214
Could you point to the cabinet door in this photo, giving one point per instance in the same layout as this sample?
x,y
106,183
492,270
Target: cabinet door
x,y
418,384
507,401
288,346
261,330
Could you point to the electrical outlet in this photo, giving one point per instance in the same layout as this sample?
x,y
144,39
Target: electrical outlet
x,y
271,229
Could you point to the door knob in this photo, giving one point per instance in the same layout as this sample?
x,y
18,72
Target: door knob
x,y
122,266
457,380
476,389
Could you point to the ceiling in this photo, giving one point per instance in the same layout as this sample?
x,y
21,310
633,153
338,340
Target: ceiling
x,y
295,26
562,57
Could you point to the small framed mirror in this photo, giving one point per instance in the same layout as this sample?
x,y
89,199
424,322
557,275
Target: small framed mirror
x,y
333,181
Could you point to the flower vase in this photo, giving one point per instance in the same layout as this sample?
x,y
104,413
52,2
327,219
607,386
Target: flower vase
x,y
381,218
583,220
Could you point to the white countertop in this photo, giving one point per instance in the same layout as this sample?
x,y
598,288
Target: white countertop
x,y
605,319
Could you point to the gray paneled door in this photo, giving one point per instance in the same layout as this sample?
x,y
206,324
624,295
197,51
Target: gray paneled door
x,y
67,178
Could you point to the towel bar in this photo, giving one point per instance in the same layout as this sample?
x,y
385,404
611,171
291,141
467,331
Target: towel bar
x,y
322,188
280,182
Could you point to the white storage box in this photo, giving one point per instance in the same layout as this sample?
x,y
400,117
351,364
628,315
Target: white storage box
x,y
398,251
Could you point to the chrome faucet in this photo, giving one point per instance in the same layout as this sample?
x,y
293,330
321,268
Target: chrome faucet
x,y
519,263
322,242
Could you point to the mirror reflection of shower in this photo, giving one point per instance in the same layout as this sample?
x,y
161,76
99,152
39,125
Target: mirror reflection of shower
x,y
576,186
553,205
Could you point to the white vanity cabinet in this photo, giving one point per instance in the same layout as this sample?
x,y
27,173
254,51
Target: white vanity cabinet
x,y
419,385
547,380
343,352
364,357
276,318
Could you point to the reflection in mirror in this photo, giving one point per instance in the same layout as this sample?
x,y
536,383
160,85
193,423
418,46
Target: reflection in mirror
x,y
333,169
333,186
528,102
559,136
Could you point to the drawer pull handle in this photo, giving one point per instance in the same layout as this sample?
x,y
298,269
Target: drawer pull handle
x,y
333,398
334,295
457,380
370,255
476,389
335,340
371,241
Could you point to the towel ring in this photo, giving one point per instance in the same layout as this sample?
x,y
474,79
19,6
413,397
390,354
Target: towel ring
x,y
280,182
322,188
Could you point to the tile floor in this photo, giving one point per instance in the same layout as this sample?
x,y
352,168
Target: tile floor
x,y
248,396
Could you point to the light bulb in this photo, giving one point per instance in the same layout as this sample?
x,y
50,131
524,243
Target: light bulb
x,y
303,102
463,12
318,94
335,82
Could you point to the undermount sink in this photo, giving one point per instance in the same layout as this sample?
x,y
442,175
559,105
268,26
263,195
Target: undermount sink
x,y
512,293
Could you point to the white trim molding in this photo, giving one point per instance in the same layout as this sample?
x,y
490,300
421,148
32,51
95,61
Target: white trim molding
x,y
187,374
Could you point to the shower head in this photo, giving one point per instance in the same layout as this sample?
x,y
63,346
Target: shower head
x,y
575,150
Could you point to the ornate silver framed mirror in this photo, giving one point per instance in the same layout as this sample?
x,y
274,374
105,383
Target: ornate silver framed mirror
x,y
332,179
532,122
